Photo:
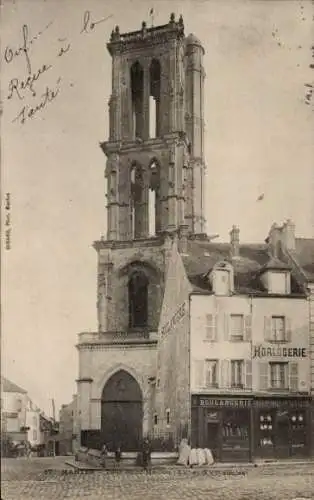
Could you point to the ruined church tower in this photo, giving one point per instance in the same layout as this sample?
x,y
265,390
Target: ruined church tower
x,y
155,189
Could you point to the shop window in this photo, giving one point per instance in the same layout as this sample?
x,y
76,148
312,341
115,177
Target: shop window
x,y
235,430
237,327
298,430
237,373
279,375
266,429
211,371
278,329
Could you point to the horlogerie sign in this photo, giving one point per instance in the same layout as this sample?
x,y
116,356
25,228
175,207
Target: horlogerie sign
x,y
259,351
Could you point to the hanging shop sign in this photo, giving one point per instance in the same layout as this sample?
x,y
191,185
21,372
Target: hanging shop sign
x,y
260,351
176,318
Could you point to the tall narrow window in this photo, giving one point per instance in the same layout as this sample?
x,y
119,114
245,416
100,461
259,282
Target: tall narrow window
x,y
278,329
152,212
137,90
237,327
279,375
154,101
152,118
136,181
154,222
138,300
237,369
211,370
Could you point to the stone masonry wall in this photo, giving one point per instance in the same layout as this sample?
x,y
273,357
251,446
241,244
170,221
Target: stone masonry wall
x,y
172,384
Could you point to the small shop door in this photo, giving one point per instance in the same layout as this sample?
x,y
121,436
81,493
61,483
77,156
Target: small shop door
x,y
212,441
283,440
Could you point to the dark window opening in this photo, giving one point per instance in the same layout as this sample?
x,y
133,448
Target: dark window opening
x,y
138,300
137,91
154,99
136,180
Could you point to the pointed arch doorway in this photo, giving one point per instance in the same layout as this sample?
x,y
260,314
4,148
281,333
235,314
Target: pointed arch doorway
x,y
122,412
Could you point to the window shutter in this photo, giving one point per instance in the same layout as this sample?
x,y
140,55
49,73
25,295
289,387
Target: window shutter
x,y
263,375
226,326
248,328
288,332
224,374
248,374
199,373
293,377
267,328
215,326
211,327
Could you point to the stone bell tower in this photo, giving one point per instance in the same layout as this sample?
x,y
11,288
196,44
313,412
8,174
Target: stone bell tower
x,y
156,137
155,180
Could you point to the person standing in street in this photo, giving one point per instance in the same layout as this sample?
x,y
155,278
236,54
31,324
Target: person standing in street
x,y
146,454
104,453
117,457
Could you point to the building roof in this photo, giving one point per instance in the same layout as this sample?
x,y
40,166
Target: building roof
x,y
275,264
201,257
304,255
8,386
191,39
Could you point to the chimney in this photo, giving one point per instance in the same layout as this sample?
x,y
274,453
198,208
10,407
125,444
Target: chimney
x,y
288,235
235,241
273,240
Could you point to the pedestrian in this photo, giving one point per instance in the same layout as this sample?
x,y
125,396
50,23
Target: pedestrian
x,y
117,456
146,455
103,455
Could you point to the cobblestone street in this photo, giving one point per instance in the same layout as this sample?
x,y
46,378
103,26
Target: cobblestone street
x,y
22,479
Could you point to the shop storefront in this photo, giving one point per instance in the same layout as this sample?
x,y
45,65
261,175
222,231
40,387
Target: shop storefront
x,y
281,427
243,428
222,424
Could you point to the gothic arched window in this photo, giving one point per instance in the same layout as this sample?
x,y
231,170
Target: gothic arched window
x,y
138,299
137,90
154,99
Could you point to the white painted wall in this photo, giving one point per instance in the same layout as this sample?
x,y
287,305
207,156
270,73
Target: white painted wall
x,y
295,310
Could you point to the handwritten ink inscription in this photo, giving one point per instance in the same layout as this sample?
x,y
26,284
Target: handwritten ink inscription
x,y
7,221
30,89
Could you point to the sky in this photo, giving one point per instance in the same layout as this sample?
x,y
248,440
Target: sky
x,y
258,142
